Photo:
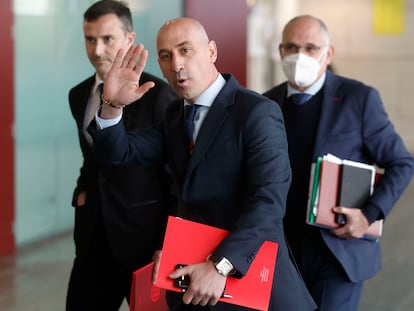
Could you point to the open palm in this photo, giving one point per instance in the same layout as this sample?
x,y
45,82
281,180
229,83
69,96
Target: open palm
x,y
122,83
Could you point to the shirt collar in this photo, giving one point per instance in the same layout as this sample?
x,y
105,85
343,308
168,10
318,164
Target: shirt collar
x,y
207,97
312,90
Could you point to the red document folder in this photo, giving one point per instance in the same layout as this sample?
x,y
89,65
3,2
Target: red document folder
x,y
328,193
144,295
188,242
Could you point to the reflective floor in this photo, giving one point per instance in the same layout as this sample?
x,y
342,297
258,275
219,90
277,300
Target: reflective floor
x,y
36,277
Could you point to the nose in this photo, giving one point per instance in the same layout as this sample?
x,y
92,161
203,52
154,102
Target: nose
x,y
301,49
99,48
177,63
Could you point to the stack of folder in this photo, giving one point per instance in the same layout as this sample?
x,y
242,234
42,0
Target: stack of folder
x,y
337,182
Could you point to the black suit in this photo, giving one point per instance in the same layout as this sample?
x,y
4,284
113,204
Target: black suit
x,y
237,178
121,224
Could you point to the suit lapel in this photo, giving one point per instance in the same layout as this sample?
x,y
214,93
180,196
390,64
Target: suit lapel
x,y
330,110
209,130
82,100
213,122
281,95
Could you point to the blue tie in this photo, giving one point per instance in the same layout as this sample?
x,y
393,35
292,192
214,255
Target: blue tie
x,y
300,98
189,115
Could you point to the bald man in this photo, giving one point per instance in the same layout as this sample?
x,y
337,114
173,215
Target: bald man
x,y
236,176
346,118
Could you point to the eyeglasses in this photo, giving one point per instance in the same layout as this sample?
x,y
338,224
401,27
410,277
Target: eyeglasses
x,y
309,49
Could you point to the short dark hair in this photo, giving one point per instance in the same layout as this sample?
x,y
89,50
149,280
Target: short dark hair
x,y
103,7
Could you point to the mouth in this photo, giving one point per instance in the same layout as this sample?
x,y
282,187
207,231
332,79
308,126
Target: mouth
x,y
182,81
100,61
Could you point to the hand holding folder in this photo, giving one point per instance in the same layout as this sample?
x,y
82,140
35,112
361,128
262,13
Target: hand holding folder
x,y
188,242
336,182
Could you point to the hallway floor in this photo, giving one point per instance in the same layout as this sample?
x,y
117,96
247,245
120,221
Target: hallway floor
x,y
36,277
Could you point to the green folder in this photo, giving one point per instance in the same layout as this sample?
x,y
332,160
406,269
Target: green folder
x,y
314,189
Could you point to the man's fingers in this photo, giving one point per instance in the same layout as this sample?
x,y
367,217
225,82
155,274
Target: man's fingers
x,y
142,61
118,59
128,59
136,55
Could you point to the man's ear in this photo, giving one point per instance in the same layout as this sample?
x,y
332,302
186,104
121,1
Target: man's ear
x,y
131,37
329,54
280,51
213,51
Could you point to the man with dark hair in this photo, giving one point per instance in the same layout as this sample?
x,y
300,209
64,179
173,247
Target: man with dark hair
x,y
120,211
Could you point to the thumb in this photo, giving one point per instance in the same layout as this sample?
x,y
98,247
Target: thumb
x,y
143,88
156,258
340,209
179,271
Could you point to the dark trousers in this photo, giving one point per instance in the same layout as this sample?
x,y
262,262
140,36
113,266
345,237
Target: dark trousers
x,y
325,278
98,281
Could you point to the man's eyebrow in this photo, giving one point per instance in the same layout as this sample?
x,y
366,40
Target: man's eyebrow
x,y
181,44
101,36
163,51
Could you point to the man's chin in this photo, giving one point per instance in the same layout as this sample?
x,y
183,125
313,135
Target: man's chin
x,y
102,71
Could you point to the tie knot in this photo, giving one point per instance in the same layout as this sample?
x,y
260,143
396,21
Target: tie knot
x,y
100,88
300,98
190,112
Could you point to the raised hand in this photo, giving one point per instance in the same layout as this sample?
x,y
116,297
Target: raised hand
x,y
121,86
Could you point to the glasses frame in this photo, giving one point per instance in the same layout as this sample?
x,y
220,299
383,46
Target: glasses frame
x,y
309,49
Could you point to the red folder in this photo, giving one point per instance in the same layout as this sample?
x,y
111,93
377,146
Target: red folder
x,y
328,193
144,295
188,242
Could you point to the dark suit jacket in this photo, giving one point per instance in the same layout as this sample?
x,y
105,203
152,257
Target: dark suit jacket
x,y
237,178
131,201
353,125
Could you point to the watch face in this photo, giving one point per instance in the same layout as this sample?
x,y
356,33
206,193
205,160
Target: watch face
x,y
223,266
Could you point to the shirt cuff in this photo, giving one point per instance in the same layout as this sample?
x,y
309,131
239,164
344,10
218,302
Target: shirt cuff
x,y
104,123
372,214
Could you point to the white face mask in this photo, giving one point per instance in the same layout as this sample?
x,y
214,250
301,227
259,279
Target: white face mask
x,y
301,69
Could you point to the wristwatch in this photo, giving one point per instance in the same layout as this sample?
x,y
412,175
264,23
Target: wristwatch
x,y
222,264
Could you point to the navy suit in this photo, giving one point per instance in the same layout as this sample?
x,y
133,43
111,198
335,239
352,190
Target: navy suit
x,y
352,124
120,226
237,178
